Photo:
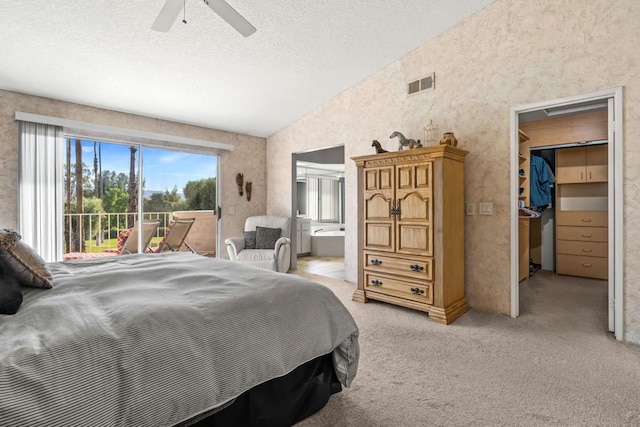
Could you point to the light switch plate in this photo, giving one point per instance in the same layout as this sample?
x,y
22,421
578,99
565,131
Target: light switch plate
x,y
471,209
231,210
486,208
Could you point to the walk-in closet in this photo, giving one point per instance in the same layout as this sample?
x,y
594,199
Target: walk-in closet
x,y
563,195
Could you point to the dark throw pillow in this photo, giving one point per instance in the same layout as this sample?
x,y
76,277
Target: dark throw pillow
x,y
266,237
10,293
22,261
249,239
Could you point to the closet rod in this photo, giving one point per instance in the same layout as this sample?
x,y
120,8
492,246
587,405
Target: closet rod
x,y
571,144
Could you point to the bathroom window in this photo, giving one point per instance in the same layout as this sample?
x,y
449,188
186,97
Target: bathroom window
x,y
324,199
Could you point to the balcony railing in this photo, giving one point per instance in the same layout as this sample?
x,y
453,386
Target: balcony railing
x,y
100,230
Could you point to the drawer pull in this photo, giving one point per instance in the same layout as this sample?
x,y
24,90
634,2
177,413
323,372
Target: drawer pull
x,y
417,291
586,250
586,235
416,267
376,282
586,265
586,220
376,261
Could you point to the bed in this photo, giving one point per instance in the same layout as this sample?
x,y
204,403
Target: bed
x,y
172,339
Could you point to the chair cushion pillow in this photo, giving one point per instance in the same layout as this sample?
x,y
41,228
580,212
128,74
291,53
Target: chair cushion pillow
x,y
22,261
266,238
249,239
10,293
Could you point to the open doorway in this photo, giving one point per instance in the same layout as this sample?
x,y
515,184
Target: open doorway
x,y
318,189
598,209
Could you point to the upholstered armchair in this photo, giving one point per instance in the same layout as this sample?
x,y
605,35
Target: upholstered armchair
x,y
265,243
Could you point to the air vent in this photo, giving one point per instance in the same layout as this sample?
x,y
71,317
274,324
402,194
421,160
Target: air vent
x,y
424,83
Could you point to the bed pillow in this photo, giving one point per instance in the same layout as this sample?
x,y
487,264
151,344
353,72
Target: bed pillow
x,y
10,293
266,237
249,239
22,261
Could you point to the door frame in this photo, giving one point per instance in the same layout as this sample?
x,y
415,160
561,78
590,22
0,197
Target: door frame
x,y
616,205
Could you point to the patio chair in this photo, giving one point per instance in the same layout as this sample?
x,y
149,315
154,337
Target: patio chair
x,y
176,235
148,230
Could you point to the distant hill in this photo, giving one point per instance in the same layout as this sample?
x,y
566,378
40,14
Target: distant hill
x,y
147,193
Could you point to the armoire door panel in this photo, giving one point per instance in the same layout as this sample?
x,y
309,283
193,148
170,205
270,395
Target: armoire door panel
x,y
405,177
379,179
413,177
371,180
414,239
378,207
379,236
386,178
423,176
414,207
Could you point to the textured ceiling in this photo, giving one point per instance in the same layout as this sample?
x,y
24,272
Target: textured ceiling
x,y
103,53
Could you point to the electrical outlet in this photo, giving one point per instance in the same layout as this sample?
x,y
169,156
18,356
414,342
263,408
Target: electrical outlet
x,y
231,210
486,208
471,209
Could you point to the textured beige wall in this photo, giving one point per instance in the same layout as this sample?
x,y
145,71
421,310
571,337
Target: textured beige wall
x,y
511,53
248,155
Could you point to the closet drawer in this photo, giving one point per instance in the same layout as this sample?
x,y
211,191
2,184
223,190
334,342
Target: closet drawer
x,y
585,234
416,291
583,266
419,268
570,247
582,218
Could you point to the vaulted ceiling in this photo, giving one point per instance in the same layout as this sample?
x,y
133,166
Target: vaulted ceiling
x,y
103,53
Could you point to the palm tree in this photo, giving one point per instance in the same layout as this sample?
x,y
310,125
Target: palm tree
x,y
79,236
67,225
96,191
132,190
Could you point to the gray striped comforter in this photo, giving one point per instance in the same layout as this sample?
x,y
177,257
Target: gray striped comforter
x,y
152,340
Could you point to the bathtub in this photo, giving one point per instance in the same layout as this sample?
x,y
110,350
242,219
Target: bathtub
x,y
328,243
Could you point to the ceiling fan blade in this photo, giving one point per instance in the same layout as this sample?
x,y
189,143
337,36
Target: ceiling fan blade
x,y
232,17
168,15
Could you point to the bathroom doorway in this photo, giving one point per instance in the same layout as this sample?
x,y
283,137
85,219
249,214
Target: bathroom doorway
x,y
318,191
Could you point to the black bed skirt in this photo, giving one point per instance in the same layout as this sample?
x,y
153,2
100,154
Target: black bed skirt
x,y
281,401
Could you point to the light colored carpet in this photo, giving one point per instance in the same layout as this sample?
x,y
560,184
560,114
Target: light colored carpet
x,y
554,365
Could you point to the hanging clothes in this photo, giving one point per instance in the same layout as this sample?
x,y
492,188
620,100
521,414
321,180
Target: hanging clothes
x,y
541,179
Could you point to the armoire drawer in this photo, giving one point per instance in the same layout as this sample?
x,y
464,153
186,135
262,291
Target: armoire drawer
x,y
582,218
583,266
585,234
572,247
416,291
419,268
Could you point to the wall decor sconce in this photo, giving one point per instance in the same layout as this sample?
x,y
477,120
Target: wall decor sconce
x,y
239,181
248,190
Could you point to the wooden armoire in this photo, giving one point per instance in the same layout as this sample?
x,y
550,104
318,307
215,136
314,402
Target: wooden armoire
x,y
411,230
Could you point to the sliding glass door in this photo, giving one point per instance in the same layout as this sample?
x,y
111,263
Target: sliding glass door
x,y
104,200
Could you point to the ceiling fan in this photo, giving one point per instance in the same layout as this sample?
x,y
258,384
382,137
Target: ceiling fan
x,y
172,8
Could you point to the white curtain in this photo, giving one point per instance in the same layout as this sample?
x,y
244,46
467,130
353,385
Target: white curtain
x,y
312,198
40,180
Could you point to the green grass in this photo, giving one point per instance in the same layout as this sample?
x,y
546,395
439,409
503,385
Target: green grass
x,y
90,245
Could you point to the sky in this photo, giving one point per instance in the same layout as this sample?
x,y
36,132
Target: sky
x,y
163,169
